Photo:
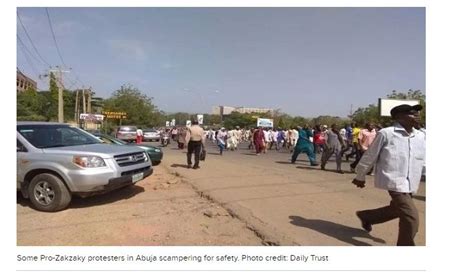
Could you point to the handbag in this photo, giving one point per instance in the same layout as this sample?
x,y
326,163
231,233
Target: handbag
x,y
202,155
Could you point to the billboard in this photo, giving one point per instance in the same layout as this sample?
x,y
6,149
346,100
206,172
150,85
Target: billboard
x,y
200,119
385,105
173,122
167,123
188,123
265,122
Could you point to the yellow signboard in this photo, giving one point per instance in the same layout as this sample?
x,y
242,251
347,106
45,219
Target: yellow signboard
x,y
119,115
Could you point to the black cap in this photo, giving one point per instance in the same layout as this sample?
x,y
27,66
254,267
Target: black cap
x,y
404,109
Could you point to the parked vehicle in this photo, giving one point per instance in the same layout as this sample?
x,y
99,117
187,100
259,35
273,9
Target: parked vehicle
x,y
150,135
56,161
127,133
155,153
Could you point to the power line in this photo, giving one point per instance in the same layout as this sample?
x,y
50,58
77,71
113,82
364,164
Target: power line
x,y
31,41
27,55
24,48
59,53
54,38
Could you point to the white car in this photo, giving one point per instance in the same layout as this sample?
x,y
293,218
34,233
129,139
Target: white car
x,y
150,135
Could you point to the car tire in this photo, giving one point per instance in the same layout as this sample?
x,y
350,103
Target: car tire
x,y
48,193
154,163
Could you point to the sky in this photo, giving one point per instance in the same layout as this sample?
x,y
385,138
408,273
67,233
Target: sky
x,y
303,61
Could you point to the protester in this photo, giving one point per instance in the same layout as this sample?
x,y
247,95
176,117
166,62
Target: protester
x,y
221,137
365,139
181,137
194,138
355,142
398,153
334,144
319,140
304,145
139,136
259,140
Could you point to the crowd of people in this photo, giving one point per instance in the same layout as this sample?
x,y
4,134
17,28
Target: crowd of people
x,y
396,154
350,141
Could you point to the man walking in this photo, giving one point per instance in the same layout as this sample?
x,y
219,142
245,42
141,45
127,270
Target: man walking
x,y
304,145
334,145
398,153
194,139
366,137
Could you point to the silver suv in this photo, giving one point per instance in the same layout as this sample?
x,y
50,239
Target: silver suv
x,y
56,160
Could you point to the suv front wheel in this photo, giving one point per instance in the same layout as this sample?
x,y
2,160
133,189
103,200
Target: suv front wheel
x,y
47,192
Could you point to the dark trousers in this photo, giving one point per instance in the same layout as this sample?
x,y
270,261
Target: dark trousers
x,y
194,147
359,154
401,207
355,152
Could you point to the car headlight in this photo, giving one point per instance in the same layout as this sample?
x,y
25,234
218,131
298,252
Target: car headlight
x,y
157,150
88,161
146,156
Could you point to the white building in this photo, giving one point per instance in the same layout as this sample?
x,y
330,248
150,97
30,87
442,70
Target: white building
x,y
226,110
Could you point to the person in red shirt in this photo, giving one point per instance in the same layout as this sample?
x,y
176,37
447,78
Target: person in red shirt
x,y
318,140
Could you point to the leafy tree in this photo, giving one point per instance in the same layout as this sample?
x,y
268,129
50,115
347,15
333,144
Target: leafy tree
x,y
139,107
241,120
371,113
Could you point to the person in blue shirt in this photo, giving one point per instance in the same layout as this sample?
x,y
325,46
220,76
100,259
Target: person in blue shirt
x,y
398,153
304,145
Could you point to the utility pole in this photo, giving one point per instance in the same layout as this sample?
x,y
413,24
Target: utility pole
x,y
76,109
59,82
84,101
89,100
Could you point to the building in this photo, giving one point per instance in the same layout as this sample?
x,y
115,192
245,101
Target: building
x,y
23,82
226,110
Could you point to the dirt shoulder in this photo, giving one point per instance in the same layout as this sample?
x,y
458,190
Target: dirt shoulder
x,y
163,209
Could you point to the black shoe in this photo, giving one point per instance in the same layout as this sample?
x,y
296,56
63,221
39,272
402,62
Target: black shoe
x,y
314,164
323,167
340,171
292,162
367,226
189,166
196,167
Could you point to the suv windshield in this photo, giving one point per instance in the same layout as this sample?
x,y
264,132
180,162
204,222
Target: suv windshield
x,y
48,136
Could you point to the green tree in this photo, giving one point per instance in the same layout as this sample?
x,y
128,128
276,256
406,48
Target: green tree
x,y
241,120
371,113
139,107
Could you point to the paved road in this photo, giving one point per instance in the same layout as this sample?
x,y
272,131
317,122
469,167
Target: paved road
x,y
291,204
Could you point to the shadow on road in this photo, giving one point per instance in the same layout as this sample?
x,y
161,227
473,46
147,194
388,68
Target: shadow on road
x,y
283,162
113,196
335,171
179,165
213,153
337,231
249,154
306,167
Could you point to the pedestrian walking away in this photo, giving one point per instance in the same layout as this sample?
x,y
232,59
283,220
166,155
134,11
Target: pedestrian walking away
x,y
398,153
139,136
194,138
